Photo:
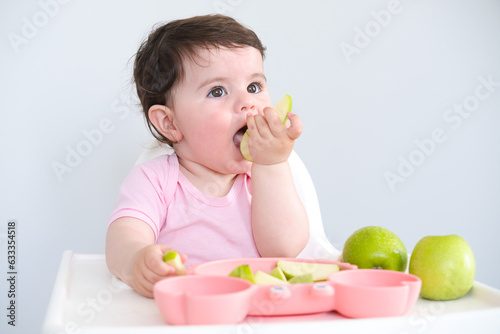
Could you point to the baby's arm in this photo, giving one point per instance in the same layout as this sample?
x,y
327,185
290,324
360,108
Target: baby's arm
x,y
133,256
279,220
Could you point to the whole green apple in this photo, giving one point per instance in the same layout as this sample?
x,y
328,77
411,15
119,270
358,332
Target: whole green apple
x,y
375,247
446,266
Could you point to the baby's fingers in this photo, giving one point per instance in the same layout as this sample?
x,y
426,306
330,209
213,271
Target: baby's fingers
x,y
274,123
154,263
295,129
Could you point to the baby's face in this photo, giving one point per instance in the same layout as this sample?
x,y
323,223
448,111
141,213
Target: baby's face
x,y
211,103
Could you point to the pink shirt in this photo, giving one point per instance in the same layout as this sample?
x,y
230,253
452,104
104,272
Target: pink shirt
x,y
203,227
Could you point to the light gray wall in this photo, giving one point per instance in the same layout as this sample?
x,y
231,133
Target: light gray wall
x,y
368,87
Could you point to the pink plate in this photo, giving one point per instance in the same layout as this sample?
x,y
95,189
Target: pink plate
x,y
368,293
289,299
209,296
202,300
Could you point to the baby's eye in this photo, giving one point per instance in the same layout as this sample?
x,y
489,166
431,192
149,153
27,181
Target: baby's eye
x,y
217,92
254,88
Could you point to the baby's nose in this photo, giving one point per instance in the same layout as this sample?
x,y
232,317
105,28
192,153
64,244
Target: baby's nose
x,y
246,103
249,107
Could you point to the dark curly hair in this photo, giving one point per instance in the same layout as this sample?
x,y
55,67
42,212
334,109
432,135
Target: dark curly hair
x,y
158,65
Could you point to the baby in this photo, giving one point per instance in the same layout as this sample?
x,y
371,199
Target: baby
x,y
201,84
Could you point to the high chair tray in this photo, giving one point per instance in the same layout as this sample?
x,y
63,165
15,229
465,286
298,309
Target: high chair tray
x,y
86,298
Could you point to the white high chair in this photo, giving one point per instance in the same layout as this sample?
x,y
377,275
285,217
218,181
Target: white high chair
x,y
318,245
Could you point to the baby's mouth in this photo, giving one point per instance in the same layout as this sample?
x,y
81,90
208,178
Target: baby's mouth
x,y
237,137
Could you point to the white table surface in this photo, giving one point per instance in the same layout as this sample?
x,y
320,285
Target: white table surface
x,y
87,299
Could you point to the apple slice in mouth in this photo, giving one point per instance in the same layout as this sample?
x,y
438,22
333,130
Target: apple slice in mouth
x,y
239,135
283,107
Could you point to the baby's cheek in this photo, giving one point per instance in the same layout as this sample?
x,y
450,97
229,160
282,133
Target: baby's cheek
x,y
212,130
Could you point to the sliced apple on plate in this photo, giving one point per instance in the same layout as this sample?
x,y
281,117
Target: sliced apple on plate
x,y
305,278
243,271
267,279
278,273
283,107
319,271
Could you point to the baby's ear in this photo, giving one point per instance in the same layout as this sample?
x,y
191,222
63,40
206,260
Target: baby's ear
x,y
163,119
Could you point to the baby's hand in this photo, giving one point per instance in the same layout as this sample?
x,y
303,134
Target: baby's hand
x,y
271,142
149,268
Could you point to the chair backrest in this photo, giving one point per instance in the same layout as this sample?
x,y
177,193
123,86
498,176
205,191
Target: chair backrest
x,y
318,245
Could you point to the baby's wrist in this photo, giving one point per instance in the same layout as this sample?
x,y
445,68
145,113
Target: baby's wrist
x,y
274,168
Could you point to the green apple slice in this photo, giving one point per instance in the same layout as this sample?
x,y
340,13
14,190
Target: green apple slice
x,y
278,273
319,271
173,259
305,278
283,107
243,271
245,151
266,279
